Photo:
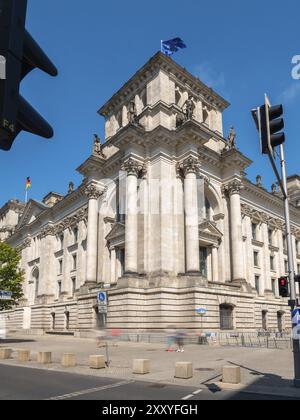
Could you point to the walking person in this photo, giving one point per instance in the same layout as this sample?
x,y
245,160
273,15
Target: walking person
x,y
170,337
180,335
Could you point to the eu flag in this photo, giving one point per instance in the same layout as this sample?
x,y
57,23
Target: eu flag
x,y
172,46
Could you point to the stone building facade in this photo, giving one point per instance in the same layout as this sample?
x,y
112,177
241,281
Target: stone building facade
x,y
164,215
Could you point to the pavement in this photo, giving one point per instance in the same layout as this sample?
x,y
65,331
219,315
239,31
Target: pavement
x,y
266,373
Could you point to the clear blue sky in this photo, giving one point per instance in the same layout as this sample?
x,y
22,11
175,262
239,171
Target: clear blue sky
x,y
98,45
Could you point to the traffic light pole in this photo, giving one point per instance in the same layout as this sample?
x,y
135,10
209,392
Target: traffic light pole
x,y
293,299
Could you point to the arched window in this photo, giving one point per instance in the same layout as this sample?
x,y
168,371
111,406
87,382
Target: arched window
x,y
226,317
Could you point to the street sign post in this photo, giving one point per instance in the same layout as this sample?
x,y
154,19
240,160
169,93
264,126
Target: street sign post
x,y
269,124
5,295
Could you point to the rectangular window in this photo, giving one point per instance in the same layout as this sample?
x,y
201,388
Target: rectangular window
x,y
254,231
298,269
203,262
61,241
286,266
75,262
297,247
75,234
59,288
73,286
60,267
270,236
284,242
274,286
272,263
257,283
256,260
122,260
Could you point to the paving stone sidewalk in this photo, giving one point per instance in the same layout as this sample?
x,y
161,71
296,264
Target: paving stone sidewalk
x,y
263,370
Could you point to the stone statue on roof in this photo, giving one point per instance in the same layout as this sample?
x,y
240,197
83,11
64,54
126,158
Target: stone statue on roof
x,y
97,148
231,139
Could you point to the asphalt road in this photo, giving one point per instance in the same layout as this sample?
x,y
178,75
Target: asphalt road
x,y
18,383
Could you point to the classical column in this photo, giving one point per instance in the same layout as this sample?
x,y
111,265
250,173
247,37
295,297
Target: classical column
x,y
234,189
190,169
93,193
133,169
215,264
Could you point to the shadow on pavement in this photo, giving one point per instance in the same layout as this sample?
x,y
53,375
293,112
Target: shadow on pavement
x,y
266,386
15,341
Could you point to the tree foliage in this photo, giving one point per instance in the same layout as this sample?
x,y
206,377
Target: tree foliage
x,y
11,276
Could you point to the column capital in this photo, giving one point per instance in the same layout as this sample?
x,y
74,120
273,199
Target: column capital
x,y
92,191
48,230
133,167
188,166
233,187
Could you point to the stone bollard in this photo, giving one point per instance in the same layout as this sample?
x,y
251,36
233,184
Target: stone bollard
x,y
5,353
44,357
97,362
141,366
231,375
184,370
23,355
68,360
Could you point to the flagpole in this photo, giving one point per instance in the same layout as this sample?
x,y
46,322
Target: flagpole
x,y
26,196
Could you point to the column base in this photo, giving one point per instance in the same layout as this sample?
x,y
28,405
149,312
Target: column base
x,y
244,284
131,274
193,274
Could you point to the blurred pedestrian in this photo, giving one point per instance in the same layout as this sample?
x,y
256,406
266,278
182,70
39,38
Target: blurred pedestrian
x,y
170,337
180,336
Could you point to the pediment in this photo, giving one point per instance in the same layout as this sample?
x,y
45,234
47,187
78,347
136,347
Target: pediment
x,y
209,229
117,232
31,212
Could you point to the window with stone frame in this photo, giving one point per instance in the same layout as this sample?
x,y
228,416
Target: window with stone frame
x,y
297,247
270,236
73,285
74,259
257,283
226,317
75,234
272,263
59,286
273,283
61,241
254,227
286,266
203,261
284,241
60,267
256,258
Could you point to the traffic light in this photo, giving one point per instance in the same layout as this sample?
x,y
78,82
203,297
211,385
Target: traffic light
x,y
19,55
283,284
269,124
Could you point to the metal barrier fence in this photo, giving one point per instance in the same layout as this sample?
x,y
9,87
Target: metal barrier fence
x,y
258,339
241,339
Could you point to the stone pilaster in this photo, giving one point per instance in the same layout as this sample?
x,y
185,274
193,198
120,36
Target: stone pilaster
x,y
233,189
47,262
190,169
134,169
215,264
93,193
